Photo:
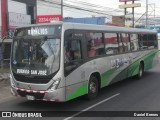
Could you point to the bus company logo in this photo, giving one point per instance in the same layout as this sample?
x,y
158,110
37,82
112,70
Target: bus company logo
x,y
6,114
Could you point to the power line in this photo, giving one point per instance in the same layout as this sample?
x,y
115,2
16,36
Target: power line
x,y
68,7
79,8
94,5
103,12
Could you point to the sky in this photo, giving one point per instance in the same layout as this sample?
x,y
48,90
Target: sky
x,y
114,4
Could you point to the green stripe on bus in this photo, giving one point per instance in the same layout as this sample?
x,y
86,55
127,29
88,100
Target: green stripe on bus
x,y
105,77
133,69
148,61
82,90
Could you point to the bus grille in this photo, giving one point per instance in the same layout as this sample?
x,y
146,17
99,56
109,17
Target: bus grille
x,y
36,95
31,80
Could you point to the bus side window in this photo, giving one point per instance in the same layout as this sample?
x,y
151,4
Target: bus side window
x,y
75,49
144,43
124,42
91,51
95,44
151,41
72,55
134,42
111,43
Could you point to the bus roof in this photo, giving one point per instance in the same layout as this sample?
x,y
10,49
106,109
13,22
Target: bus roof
x,y
81,26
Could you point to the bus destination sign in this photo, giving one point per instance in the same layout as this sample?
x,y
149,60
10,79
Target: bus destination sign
x,y
38,31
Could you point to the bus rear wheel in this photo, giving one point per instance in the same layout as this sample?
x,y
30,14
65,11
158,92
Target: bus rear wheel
x,y
141,71
92,88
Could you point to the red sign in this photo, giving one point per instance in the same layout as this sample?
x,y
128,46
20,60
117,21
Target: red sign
x,y
48,18
126,0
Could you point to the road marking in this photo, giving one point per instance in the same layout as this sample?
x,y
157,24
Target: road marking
x,y
84,110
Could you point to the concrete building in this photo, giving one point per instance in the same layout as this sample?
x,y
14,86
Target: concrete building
x,y
118,20
16,13
92,20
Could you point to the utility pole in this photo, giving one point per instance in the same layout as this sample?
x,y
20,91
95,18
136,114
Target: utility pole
x,y
62,9
125,10
146,13
154,11
125,13
133,12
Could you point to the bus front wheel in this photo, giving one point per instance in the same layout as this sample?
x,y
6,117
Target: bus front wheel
x,y
92,88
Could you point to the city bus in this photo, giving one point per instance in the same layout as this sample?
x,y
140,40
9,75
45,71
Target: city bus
x,y
61,61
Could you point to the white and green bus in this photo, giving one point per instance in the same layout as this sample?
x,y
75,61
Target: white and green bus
x,y
62,61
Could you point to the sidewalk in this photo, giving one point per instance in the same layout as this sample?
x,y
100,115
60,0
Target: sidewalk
x,y
4,77
5,93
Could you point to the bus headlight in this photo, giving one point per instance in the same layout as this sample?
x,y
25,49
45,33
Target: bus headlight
x,y
11,81
55,84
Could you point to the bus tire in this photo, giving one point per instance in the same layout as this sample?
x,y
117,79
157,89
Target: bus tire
x,y
92,88
141,71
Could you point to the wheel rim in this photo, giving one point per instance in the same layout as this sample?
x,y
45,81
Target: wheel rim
x,y
92,87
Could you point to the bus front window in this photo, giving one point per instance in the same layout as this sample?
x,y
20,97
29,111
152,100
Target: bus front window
x,y
36,57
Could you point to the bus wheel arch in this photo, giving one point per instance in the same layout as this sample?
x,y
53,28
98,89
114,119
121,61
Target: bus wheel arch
x,y
93,85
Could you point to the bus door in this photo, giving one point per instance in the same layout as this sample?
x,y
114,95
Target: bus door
x,y
73,59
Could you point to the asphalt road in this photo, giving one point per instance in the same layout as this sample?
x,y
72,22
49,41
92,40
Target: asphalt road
x,y
127,95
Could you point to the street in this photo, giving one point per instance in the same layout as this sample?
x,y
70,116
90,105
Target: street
x,y
127,95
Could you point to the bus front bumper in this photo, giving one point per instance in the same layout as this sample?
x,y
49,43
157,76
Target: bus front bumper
x,y
55,96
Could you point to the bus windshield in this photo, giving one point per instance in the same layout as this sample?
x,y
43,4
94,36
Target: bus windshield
x,y
35,55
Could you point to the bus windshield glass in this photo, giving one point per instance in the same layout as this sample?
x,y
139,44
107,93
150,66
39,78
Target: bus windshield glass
x,y
37,54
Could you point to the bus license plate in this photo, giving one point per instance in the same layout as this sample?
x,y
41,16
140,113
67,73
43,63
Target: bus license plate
x,y
29,97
